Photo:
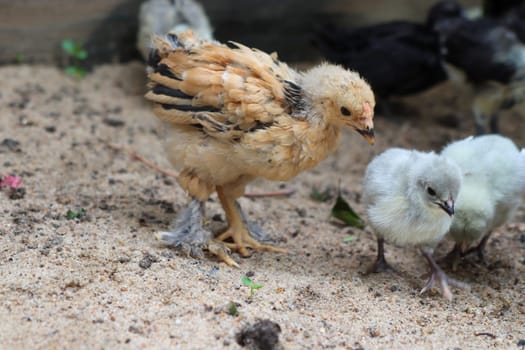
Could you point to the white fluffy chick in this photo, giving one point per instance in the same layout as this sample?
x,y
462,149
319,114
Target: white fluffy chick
x,y
409,198
158,17
493,186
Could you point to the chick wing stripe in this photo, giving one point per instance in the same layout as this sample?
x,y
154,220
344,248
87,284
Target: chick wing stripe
x,y
190,108
208,122
154,58
163,90
260,126
164,70
293,94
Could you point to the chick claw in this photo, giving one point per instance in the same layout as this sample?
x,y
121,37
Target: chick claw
x,y
444,281
221,251
242,240
439,276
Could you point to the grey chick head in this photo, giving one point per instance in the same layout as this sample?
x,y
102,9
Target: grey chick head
x,y
437,181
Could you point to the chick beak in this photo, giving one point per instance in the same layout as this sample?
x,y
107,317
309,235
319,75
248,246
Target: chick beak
x,y
447,206
368,134
367,121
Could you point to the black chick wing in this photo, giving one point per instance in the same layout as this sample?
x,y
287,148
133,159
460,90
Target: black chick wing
x,y
397,58
485,50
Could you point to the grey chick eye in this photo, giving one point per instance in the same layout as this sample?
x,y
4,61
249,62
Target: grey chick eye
x,y
345,111
431,191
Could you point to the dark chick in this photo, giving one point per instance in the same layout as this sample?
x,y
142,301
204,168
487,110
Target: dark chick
x,y
510,13
397,58
491,57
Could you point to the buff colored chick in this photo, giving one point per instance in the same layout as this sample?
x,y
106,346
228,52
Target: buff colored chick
x,y
234,114
409,198
492,190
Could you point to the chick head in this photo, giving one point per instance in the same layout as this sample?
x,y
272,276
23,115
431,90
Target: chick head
x,y
342,98
445,16
436,184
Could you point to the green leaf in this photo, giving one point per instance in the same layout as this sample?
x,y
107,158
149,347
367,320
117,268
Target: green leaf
x,y
348,239
318,196
346,214
231,309
75,214
20,58
81,54
246,281
75,71
256,286
69,46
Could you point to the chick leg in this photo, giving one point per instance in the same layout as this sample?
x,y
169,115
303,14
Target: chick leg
x,y
479,249
380,265
439,276
256,231
488,101
188,235
237,229
453,258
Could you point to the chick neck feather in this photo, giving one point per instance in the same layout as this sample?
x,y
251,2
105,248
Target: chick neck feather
x,y
328,88
474,210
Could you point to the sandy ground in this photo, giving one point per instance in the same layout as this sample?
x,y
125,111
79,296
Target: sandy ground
x,y
104,282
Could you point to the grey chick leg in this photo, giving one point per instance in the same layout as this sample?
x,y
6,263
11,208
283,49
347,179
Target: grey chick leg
x,y
188,234
256,231
453,258
439,276
479,249
381,265
494,124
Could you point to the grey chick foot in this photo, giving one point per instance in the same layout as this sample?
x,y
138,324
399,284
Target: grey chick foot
x,y
256,231
188,235
440,277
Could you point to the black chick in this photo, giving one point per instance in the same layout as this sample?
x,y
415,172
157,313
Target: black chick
x,y
491,57
512,16
397,58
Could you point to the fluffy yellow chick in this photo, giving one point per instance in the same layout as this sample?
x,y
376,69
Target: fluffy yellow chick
x,y
234,114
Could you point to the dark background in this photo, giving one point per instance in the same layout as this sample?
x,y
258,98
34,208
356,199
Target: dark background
x,y
107,28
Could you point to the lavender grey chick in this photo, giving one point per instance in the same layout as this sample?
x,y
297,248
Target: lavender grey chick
x,y
158,17
493,187
409,198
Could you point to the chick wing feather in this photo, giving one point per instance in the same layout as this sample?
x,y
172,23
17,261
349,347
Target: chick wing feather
x,y
226,92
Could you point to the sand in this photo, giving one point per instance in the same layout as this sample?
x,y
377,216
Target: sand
x,y
103,281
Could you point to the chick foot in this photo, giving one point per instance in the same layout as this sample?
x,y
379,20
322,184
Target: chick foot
x,y
188,235
439,276
242,240
381,265
238,227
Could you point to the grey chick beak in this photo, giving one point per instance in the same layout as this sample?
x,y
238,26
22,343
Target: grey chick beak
x,y
447,206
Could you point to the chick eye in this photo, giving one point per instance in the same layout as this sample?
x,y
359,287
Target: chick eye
x,y
431,191
345,111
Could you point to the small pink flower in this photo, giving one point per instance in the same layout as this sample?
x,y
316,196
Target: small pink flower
x,y
11,181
